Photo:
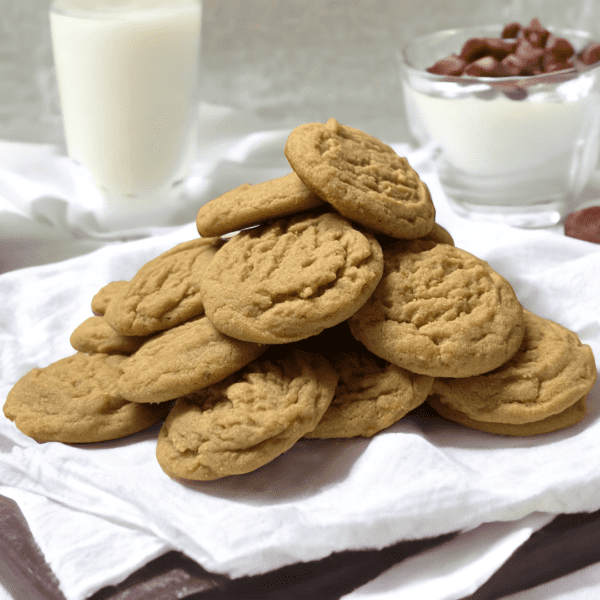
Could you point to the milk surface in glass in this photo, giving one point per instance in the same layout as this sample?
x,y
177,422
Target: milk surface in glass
x,y
127,72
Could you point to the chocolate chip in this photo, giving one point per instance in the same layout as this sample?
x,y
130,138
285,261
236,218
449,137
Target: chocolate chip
x,y
528,51
511,30
532,57
536,34
474,49
551,66
453,66
590,54
487,66
499,48
584,224
515,65
559,48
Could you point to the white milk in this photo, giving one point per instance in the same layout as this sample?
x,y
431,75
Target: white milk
x,y
128,79
497,136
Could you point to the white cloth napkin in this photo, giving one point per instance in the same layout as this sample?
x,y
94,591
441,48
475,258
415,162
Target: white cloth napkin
x,y
455,569
422,477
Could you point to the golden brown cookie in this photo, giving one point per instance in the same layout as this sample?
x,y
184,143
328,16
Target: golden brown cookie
x,y
290,279
165,291
362,178
551,371
371,393
96,336
439,235
103,297
570,416
248,419
181,360
75,400
440,311
249,205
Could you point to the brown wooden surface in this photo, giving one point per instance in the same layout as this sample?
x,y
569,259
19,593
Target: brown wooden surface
x,y
20,551
568,543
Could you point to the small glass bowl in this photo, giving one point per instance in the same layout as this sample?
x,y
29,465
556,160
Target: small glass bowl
x,y
515,150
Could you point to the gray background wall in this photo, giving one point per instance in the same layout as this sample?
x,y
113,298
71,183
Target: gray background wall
x,y
286,60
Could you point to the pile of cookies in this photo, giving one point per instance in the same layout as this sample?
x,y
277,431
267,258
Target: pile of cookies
x,y
327,303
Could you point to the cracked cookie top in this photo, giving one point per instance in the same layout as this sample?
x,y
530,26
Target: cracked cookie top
x,y
104,295
181,360
550,372
248,419
75,400
249,205
290,279
440,311
362,178
164,292
371,393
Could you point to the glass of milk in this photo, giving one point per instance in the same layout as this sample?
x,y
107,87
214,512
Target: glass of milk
x,y
520,159
127,74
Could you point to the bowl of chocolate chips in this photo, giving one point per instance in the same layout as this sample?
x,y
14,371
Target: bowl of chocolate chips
x,y
513,112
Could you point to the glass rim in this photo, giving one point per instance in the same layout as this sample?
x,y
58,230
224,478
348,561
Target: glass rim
x,y
105,9
511,81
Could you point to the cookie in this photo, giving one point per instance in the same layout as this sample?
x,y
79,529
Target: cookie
x,y
249,205
291,279
362,178
440,311
551,371
164,292
103,297
570,416
96,336
75,400
371,393
248,419
439,235
181,360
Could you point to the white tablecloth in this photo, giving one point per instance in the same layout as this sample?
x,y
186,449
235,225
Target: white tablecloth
x,y
418,479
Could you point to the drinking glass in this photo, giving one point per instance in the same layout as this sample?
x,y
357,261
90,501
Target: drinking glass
x,y
127,75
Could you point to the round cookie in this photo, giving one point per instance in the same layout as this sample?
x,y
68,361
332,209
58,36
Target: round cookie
x,y
439,235
290,279
550,372
440,311
371,393
181,360
362,178
102,298
248,419
75,400
249,205
570,416
165,291
96,336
